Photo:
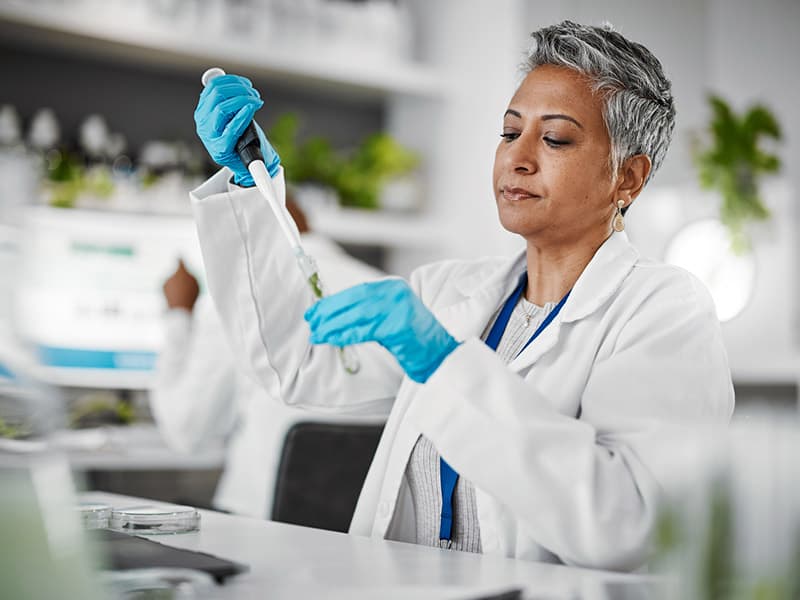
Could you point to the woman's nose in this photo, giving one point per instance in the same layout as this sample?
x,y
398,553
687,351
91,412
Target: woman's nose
x,y
522,156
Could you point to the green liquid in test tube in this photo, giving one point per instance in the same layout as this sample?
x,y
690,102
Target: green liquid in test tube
x,y
308,266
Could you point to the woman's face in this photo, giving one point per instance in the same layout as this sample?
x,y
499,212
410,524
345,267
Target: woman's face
x,y
552,180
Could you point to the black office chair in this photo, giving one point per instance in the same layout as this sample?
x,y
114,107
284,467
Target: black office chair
x,y
322,469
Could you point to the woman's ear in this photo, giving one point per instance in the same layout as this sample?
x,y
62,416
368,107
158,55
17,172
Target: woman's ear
x,y
633,174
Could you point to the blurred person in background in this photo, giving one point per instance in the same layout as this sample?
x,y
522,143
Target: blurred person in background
x,y
200,399
528,390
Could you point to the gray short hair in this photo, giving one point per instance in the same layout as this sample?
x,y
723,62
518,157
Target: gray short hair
x,y
638,109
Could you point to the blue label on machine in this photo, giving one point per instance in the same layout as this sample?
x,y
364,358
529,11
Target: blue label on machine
x,y
97,359
5,373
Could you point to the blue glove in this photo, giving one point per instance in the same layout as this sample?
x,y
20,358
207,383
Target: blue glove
x,y
225,109
387,312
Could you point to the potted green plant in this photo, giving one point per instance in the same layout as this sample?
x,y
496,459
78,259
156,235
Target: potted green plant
x,y
732,164
357,177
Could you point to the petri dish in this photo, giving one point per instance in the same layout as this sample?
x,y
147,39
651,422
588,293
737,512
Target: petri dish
x,y
159,582
155,519
94,515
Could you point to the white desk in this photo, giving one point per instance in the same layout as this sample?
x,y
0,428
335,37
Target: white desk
x,y
287,561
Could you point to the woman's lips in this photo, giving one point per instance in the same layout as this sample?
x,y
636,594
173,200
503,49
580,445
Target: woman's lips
x,y
517,194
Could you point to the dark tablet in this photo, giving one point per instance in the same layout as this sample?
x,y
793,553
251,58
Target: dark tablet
x,y
122,551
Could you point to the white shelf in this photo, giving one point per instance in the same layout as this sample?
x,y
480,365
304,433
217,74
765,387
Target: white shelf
x,y
345,225
766,370
352,226
95,378
131,40
130,448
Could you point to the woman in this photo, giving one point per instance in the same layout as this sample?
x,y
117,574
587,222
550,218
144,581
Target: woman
x,y
540,448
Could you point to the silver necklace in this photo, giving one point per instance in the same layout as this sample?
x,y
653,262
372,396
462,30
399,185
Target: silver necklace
x,y
528,315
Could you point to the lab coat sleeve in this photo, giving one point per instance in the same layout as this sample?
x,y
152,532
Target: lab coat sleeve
x,y
193,397
261,297
582,487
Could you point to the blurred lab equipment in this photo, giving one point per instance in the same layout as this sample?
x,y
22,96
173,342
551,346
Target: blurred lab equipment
x,y
30,410
154,518
374,29
730,528
44,555
89,299
45,130
10,127
171,583
18,183
94,515
45,551
62,550
95,137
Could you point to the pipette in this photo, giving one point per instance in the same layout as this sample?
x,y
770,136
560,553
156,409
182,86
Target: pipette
x,y
249,150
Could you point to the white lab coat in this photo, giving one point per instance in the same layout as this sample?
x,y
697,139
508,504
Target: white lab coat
x,y
557,443
199,399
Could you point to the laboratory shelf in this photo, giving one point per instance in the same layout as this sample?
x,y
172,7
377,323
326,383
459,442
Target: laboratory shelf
x,y
95,378
136,447
766,370
344,225
101,32
379,228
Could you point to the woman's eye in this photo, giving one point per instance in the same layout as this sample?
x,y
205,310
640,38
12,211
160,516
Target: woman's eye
x,y
554,143
509,136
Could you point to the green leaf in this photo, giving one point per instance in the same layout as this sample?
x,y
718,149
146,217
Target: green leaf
x,y
794,568
759,120
283,137
357,176
731,163
718,565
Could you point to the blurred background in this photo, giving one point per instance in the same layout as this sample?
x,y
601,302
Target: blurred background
x,y
386,114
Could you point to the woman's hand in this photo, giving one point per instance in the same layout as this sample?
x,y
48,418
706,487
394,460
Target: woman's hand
x,y
387,312
181,289
224,110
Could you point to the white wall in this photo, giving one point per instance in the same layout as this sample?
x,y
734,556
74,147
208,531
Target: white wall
x,y
753,50
475,46
754,56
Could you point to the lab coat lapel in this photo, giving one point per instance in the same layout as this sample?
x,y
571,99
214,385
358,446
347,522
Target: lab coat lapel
x,y
483,296
599,281
542,344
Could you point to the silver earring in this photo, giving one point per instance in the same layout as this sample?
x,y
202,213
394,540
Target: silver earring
x,y
619,220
